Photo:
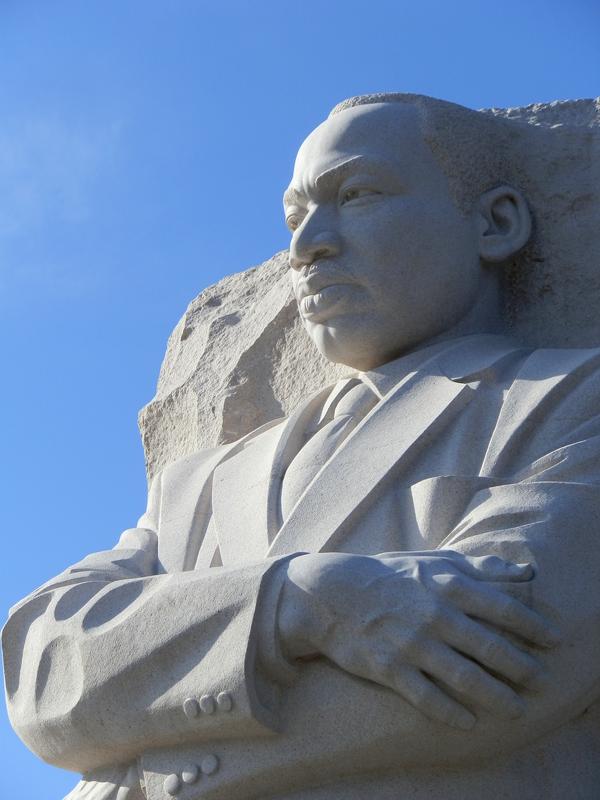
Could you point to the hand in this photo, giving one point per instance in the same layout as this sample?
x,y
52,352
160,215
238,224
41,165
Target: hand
x,y
412,622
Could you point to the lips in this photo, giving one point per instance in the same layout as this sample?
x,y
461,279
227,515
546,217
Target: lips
x,y
317,282
322,296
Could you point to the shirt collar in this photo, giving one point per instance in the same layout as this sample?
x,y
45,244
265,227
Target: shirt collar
x,y
461,357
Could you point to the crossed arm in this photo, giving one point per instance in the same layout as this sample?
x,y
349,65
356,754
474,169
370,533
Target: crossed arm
x,y
436,627
100,660
502,621
416,623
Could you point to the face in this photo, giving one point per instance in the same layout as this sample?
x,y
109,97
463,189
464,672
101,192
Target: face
x,y
381,259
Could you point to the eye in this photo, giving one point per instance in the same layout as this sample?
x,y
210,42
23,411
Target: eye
x,y
355,193
293,221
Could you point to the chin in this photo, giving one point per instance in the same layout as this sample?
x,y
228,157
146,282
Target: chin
x,y
346,344
351,341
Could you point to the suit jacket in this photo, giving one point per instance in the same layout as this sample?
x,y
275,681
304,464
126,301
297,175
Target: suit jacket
x,y
149,655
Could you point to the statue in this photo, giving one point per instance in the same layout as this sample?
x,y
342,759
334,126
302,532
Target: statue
x,y
391,593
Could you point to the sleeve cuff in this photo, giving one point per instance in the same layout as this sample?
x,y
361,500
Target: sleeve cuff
x,y
270,656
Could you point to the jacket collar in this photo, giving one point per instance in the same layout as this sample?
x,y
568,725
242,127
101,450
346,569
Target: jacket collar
x,y
461,359
420,394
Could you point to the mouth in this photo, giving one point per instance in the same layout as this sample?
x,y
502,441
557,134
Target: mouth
x,y
318,282
316,306
323,292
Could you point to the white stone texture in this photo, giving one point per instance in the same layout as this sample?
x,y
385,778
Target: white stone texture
x,y
239,357
266,631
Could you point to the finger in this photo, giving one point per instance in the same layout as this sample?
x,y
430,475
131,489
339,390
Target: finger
x,y
137,539
470,680
491,650
493,568
428,698
413,686
498,608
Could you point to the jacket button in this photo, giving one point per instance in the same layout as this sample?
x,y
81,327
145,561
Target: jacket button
x,y
207,703
172,785
209,765
191,708
190,774
224,701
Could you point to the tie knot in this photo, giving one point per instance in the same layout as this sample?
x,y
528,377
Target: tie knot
x,y
354,398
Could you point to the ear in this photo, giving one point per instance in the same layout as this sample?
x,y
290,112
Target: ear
x,y
504,223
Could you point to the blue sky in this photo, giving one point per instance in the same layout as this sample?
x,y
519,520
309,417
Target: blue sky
x,y
144,147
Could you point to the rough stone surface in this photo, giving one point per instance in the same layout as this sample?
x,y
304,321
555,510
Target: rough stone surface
x,y
239,356
557,299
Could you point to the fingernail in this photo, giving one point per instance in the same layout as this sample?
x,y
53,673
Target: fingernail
x,y
552,637
526,570
539,681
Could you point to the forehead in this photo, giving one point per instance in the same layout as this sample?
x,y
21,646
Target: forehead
x,y
387,133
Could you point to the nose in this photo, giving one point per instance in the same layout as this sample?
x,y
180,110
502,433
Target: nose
x,y
312,242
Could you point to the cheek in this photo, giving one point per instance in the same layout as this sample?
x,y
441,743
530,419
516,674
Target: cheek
x,y
391,250
426,239
391,230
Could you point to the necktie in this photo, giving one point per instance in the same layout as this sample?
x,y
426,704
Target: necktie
x,y
349,402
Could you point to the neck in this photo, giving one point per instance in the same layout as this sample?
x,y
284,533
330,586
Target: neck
x,y
485,315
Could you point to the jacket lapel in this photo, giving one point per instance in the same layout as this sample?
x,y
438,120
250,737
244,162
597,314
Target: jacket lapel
x,y
246,487
185,502
402,424
185,508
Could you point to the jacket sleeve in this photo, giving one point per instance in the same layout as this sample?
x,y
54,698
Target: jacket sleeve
x,y
551,523
548,514
111,658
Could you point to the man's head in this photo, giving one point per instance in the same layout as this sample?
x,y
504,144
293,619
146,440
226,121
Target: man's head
x,y
392,235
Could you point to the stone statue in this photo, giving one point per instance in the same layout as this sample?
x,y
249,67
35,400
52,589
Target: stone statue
x,y
393,591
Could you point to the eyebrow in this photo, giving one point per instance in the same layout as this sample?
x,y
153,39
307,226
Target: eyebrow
x,y
331,176
292,197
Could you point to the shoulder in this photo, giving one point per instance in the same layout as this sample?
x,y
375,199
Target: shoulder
x,y
555,376
552,402
546,362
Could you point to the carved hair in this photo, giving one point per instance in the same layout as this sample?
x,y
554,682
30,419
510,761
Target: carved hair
x,y
475,150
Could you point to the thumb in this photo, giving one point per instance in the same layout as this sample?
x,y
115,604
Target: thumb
x,y
493,568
